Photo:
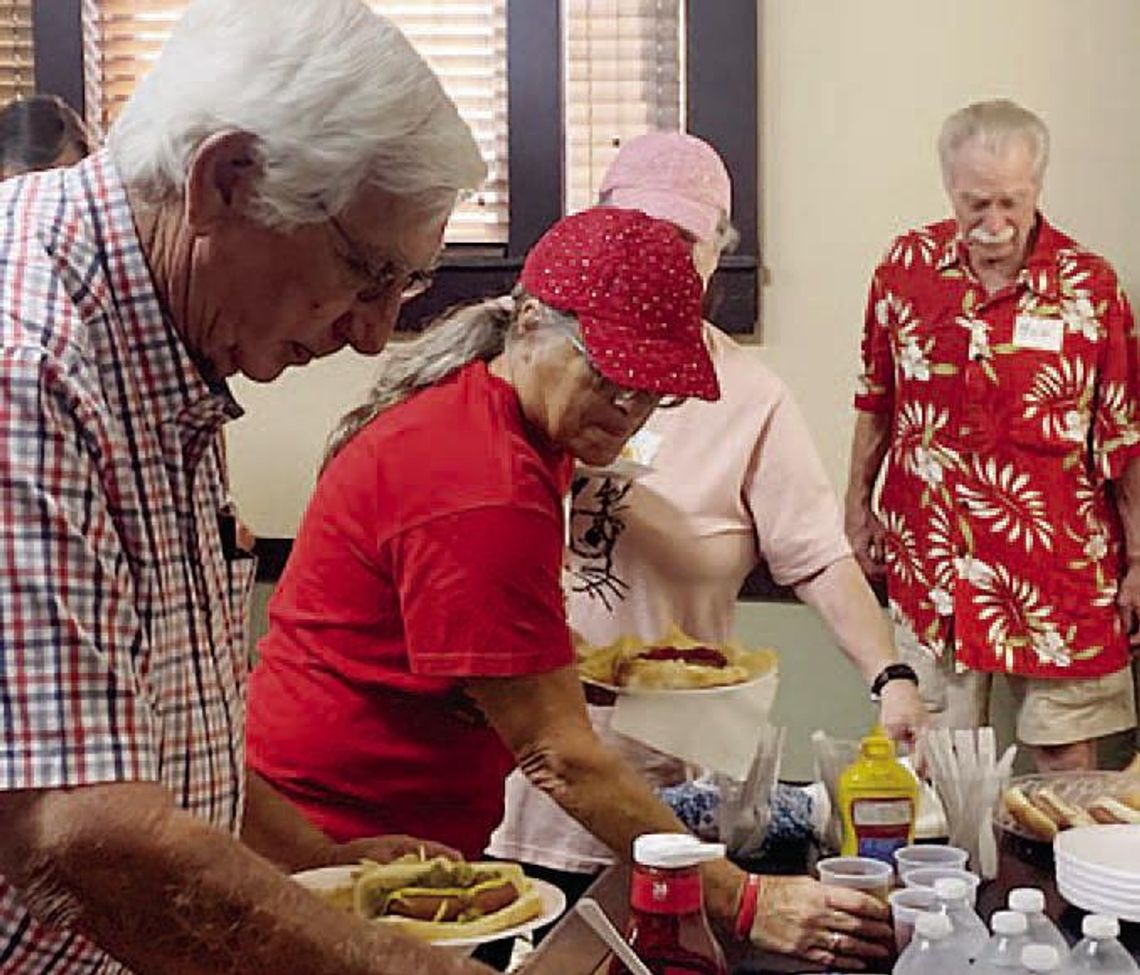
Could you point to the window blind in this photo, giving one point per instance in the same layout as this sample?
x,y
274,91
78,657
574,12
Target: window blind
x,y
465,42
17,61
624,71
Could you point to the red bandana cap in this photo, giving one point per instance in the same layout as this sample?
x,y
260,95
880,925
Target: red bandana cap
x,y
630,282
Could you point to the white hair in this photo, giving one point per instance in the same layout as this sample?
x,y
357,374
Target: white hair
x,y
334,95
993,124
461,335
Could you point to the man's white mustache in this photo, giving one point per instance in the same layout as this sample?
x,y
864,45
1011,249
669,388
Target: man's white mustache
x,y
979,235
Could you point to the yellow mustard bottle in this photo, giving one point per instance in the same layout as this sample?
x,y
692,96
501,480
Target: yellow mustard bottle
x,y
878,800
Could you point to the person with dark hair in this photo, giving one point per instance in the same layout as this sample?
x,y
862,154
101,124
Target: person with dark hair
x,y
41,132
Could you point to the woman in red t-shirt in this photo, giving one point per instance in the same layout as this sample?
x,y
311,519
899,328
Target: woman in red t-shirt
x,y
417,646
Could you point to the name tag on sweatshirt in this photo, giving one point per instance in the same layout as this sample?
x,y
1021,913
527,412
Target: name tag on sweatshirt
x,y
1032,332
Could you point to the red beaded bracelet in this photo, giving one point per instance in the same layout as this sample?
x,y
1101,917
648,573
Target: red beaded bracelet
x,y
747,913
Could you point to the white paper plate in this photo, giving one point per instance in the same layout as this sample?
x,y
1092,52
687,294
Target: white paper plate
x,y
1111,877
719,689
1095,882
1113,848
553,904
1097,903
1098,869
1099,886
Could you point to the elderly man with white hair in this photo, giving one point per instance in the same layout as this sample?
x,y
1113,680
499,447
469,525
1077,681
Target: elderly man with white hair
x,y
273,190
999,398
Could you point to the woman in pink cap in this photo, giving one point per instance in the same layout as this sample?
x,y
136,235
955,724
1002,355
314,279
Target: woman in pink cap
x,y
673,547
418,649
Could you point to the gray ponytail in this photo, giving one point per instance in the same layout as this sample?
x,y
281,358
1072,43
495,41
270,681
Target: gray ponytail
x,y
461,336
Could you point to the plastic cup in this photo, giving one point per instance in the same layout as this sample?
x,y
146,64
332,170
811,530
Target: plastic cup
x,y
859,873
925,877
921,855
906,904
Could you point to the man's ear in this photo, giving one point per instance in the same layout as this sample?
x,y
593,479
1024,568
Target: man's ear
x,y
222,179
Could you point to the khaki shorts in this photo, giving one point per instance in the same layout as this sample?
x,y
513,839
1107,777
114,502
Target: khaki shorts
x,y
1049,712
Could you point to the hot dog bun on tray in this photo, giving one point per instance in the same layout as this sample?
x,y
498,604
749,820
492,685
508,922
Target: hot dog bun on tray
x,y
1043,805
439,899
1028,816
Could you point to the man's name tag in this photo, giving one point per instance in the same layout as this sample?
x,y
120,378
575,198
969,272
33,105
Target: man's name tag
x,y
1032,332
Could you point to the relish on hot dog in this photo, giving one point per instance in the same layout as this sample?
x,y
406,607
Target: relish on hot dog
x,y
438,899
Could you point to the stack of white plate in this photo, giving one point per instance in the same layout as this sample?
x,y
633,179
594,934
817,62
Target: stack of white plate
x,y
1098,869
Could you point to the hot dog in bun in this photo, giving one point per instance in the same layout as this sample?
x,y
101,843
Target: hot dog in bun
x,y
1064,813
1106,809
439,899
1028,816
674,662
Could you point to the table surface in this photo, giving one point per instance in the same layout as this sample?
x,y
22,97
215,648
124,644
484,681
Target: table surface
x,y
573,949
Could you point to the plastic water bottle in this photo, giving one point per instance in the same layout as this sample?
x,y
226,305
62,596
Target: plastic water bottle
x,y
970,931
1040,958
1003,950
932,950
1030,901
1099,951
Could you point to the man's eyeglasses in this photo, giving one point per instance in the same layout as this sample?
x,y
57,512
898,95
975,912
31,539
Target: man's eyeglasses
x,y
620,396
383,278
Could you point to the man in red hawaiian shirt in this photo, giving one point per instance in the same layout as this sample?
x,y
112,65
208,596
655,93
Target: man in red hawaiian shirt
x,y
999,401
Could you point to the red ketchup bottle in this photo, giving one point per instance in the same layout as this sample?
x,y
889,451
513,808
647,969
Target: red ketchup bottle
x,y
667,924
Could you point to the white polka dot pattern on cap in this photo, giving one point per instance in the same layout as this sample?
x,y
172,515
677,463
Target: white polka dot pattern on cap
x,y
630,281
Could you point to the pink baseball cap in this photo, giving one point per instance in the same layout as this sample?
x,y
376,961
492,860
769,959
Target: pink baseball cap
x,y
671,176
629,280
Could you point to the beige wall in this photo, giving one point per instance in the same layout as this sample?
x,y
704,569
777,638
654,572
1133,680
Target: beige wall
x,y
852,95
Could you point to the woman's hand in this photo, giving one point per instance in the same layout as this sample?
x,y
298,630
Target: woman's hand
x,y
385,849
902,713
830,926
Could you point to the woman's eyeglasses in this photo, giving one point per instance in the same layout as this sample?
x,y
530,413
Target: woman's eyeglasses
x,y
383,278
621,396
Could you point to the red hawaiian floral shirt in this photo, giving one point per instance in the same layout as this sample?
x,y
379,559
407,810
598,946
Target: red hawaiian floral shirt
x,y
1010,415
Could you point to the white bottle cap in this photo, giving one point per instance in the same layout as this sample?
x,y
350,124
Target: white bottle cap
x,y
1028,900
1040,958
673,850
950,888
933,925
1098,926
1011,923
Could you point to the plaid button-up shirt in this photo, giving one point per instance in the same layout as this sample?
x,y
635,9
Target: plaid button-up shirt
x,y
122,619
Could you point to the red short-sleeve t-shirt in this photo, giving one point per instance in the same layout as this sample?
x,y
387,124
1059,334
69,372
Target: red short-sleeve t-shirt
x,y
430,552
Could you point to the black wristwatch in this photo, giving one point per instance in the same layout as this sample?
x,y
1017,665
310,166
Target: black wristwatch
x,y
889,673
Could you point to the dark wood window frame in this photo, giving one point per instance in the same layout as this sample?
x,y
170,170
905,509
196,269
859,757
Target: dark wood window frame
x,y
721,83
722,90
